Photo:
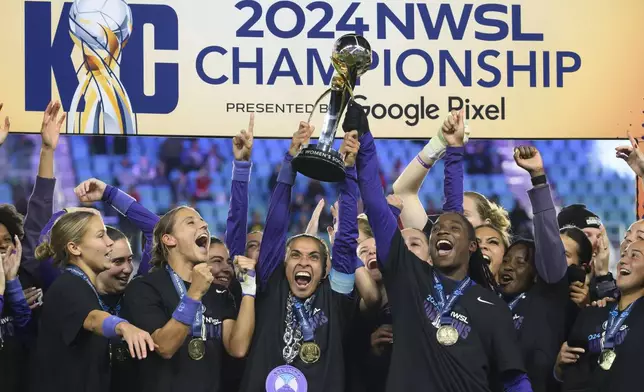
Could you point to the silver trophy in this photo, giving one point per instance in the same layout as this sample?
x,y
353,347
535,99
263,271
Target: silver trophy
x,y
351,59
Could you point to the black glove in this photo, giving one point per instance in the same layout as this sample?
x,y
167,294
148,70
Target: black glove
x,y
355,119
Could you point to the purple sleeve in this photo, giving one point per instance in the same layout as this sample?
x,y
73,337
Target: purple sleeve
x,y
236,225
517,383
39,210
140,216
1,303
384,224
271,252
550,255
18,303
346,241
454,179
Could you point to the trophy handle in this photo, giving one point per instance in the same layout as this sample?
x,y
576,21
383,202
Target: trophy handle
x,y
317,103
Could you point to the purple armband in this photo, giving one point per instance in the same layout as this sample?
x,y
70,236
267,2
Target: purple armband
x,y
186,311
423,163
109,326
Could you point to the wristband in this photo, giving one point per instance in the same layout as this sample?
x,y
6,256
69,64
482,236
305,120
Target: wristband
x,y
435,149
186,311
248,283
539,180
109,326
423,163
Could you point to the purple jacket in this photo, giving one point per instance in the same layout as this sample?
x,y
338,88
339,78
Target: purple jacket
x,y
550,255
125,204
273,248
237,222
39,210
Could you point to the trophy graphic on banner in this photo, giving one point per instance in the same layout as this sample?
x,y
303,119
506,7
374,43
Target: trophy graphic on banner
x,y
351,59
101,28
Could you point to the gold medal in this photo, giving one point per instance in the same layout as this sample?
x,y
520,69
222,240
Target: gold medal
x,y
196,349
310,352
447,335
606,359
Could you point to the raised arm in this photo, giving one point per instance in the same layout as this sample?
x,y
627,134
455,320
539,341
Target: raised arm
x,y
237,222
344,251
93,190
41,202
375,204
273,248
455,134
550,255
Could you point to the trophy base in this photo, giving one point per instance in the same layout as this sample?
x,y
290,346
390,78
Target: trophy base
x,y
325,166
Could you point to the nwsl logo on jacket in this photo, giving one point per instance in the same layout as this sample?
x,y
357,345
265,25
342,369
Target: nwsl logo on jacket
x,y
457,320
318,319
213,327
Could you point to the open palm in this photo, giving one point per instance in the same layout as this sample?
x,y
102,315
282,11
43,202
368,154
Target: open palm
x,y
51,123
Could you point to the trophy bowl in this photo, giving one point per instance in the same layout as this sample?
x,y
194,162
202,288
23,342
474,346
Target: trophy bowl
x,y
351,59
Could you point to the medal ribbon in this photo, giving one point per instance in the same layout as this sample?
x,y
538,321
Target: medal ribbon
x,y
308,332
615,321
74,270
513,304
198,326
444,304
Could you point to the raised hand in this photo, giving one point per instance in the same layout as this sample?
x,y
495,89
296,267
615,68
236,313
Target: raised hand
x,y
454,129
301,137
314,224
331,230
245,272
243,141
51,123
90,191
529,159
4,129
138,341
11,260
349,148
201,280
632,155
601,255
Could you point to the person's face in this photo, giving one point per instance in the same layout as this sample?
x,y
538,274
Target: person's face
x,y
95,247
253,242
492,247
471,212
630,269
572,250
593,235
517,273
449,245
416,242
304,266
367,253
115,279
634,233
5,239
190,237
220,264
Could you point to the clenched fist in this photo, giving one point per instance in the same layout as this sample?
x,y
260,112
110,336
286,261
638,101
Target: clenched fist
x,y
201,280
90,191
349,148
301,138
529,159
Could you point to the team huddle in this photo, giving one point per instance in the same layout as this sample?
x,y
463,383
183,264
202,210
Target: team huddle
x,y
395,300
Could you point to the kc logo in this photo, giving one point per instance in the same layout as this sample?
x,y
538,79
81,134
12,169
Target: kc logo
x,y
106,90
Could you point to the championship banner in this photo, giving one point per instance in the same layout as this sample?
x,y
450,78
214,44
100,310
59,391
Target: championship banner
x,y
521,69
